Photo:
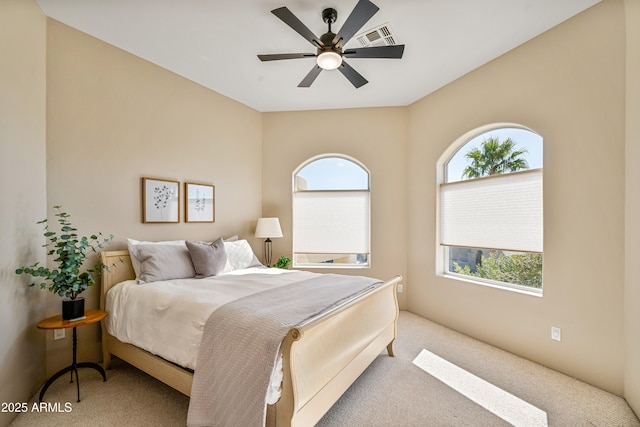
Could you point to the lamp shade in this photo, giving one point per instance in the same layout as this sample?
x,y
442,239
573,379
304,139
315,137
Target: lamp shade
x,y
268,227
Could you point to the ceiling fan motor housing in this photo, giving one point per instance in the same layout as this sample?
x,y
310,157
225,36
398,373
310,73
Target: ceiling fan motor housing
x,y
327,39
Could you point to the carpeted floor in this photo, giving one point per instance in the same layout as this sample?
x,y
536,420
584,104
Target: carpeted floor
x,y
468,384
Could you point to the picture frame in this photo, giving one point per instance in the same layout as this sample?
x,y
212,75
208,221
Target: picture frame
x,y
199,202
160,201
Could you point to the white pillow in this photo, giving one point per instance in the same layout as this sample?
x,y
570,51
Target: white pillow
x,y
226,239
239,255
135,257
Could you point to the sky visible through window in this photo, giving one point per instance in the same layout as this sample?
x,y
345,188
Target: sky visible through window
x,y
334,173
522,138
337,173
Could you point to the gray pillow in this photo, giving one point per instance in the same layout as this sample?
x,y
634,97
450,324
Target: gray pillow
x,y
164,262
209,259
133,251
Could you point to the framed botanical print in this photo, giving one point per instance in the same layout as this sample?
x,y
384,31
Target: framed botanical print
x,y
160,201
199,203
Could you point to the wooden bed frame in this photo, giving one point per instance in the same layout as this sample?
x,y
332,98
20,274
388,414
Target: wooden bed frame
x,y
321,358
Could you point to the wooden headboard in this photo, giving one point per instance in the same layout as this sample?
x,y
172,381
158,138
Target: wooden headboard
x,y
120,269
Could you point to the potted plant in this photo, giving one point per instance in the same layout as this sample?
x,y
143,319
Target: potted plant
x,y
283,262
70,252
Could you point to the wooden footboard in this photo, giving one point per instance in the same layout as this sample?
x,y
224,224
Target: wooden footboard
x,y
324,356
321,358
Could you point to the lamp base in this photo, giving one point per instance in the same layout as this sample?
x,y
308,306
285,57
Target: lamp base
x,y
267,252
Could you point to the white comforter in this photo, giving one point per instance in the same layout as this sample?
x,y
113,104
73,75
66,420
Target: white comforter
x,y
167,318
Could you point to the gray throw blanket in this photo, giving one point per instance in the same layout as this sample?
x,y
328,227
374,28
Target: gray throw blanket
x,y
240,344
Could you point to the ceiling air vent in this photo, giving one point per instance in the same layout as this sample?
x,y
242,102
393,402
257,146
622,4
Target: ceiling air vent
x,y
379,36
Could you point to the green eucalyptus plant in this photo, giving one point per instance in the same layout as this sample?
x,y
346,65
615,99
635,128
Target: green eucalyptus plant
x,y
283,262
70,252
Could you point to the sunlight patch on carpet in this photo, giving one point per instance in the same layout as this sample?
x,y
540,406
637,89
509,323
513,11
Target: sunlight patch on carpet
x,y
497,401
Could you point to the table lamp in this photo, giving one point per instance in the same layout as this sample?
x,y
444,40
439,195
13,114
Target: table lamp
x,y
268,228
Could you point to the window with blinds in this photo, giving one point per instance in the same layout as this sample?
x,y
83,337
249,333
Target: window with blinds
x,y
491,209
502,212
331,213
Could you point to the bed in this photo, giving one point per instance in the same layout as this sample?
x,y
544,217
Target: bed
x,y
321,356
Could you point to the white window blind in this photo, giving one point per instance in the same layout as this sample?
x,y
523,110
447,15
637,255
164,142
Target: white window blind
x,y
499,212
331,222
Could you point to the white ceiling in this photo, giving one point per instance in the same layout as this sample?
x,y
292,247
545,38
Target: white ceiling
x,y
215,43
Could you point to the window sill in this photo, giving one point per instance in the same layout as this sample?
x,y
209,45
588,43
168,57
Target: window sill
x,y
535,292
329,265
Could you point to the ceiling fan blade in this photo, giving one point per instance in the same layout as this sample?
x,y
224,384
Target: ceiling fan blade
x,y
363,11
352,75
291,20
278,56
392,52
310,78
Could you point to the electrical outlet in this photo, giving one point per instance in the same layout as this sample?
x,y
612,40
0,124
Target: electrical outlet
x,y
400,288
556,333
58,334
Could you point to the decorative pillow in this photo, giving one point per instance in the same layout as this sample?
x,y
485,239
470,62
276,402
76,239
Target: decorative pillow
x,y
240,255
208,259
164,262
133,251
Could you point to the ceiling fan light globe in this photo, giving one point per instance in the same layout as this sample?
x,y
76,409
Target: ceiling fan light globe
x,y
329,60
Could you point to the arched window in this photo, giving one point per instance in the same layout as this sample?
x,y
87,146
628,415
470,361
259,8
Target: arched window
x,y
331,213
491,216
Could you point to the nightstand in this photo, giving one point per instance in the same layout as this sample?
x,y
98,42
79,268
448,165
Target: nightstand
x,y
56,322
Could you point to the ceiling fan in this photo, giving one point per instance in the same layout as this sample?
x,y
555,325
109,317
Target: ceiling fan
x,y
329,46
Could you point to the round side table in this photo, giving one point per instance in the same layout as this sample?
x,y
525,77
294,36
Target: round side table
x,y
56,322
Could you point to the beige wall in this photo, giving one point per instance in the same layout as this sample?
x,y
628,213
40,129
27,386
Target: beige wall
x,y
23,177
114,118
567,85
377,137
632,195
